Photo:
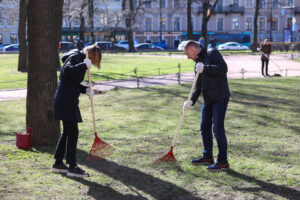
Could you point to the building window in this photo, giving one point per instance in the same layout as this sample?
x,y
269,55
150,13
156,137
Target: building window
x,y
262,4
274,23
219,6
13,38
163,24
1,39
176,3
12,21
261,24
275,4
249,4
220,22
1,20
176,24
236,3
235,23
248,24
148,24
103,19
290,2
162,4
289,23
148,4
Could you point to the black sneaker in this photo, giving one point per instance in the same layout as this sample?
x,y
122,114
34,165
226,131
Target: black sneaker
x,y
59,168
218,167
77,172
203,161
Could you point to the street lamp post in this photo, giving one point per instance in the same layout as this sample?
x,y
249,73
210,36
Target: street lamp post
x,y
292,15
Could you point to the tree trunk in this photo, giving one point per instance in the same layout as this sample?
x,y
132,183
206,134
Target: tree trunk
x,y
22,63
128,15
82,27
189,20
204,21
254,44
91,19
206,17
44,32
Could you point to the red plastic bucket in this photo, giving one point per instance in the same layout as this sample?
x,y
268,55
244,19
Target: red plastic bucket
x,y
23,140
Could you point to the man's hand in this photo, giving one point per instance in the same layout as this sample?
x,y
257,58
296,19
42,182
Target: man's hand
x,y
199,67
88,63
187,104
90,93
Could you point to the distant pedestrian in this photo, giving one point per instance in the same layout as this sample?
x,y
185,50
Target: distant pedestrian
x,y
66,107
266,50
213,84
202,41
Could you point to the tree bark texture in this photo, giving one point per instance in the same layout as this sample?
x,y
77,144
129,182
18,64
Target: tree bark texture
x,y
22,32
189,20
128,15
254,44
91,18
44,32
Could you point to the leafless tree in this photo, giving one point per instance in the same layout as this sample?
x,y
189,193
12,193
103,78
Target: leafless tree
x,y
254,44
207,11
44,32
22,33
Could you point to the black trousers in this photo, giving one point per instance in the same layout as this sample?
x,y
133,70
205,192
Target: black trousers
x,y
262,67
67,140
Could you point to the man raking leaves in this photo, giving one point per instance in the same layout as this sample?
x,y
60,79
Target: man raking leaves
x,y
213,85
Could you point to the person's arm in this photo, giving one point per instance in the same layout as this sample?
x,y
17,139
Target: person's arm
x,y
219,66
83,89
73,68
197,90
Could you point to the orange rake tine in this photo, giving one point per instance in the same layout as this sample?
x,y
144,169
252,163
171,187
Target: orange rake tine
x,y
169,157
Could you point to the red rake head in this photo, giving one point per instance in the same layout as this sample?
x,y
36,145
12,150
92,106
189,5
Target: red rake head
x,y
169,157
100,150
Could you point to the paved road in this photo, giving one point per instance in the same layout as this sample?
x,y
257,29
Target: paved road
x,y
249,64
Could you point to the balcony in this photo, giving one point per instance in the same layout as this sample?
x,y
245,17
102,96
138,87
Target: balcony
x,y
297,10
226,9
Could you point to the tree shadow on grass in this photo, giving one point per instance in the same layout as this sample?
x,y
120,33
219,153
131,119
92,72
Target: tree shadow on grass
x,y
99,191
131,177
283,191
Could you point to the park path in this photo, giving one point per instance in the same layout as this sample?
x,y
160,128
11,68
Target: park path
x,y
242,66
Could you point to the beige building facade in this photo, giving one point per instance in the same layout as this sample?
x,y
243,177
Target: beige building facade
x,y
230,16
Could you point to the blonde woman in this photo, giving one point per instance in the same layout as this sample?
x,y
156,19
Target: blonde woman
x,y
66,106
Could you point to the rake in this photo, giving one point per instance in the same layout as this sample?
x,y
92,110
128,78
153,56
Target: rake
x,y
100,149
169,157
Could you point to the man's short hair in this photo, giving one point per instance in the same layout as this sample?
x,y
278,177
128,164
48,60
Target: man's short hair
x,y
192,43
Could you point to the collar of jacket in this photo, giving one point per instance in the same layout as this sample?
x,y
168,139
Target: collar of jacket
x,y
202,55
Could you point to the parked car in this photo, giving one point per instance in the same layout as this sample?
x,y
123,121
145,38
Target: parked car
x,y
65,46
161,44
88,44
124,44
2,46
147,47
11,48
232,46
109,46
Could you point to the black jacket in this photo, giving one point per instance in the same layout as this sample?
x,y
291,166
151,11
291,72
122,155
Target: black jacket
x,y
66,98
212,82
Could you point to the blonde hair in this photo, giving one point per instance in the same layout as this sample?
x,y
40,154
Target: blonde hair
x,y
94,53
191,43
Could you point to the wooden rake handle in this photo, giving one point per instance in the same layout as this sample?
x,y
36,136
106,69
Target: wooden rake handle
x,y
91,98
183,113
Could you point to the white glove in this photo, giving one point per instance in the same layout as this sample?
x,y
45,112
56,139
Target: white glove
x,y
258,49
90,93
187,104
199,67
88,63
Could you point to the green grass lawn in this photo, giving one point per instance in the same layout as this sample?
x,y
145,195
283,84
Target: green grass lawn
x,y
114,66
262,124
